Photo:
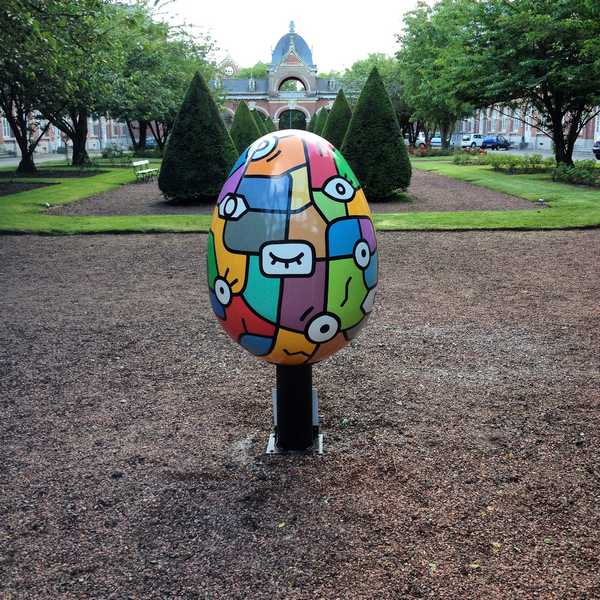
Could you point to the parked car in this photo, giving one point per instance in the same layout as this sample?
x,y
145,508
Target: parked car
x,y
472,140
495,142
436,142
596,150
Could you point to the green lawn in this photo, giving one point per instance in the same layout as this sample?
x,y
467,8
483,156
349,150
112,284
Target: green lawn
x,y
570,206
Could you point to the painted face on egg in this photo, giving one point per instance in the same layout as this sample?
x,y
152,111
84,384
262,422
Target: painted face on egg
x,y
292,255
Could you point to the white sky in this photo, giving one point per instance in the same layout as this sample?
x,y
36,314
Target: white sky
x,y
338,32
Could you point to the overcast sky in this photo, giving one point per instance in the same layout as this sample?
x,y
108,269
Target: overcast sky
x,y
338,32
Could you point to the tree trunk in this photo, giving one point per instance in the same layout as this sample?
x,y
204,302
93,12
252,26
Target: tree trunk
x,y
26,164
18,124
80,127
143,129
157,133
562,153
140,143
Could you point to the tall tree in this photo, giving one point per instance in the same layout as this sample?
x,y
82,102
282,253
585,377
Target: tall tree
x,y
540,55
244,130
32,63
426,85
338,120
374,145
200,151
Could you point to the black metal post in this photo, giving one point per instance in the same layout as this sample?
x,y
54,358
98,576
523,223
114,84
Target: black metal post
x,y
294,429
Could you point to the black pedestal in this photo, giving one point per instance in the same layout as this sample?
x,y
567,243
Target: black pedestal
x,y
295,412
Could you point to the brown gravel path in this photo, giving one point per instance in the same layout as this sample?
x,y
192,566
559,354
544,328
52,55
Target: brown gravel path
x,y
429,191
462,429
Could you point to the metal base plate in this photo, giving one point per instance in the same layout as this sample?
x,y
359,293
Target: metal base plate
x,y
316,448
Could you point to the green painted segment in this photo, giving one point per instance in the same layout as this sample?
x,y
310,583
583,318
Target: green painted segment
x,y
262,293
332,209
344,169
212,261
346,306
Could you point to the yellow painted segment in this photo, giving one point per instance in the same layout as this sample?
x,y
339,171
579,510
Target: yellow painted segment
x,y
300,188
359,207
228,262
287,346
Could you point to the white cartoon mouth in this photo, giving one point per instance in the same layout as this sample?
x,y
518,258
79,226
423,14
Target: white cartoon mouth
x,y
287,259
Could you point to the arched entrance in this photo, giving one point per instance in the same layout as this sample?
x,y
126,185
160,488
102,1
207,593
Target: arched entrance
x,y
292,85
292,119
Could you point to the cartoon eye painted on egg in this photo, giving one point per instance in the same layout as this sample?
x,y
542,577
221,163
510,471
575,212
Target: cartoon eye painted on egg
x,y
340,189
264,147
289,259
222,291
322,328
232,207
362,254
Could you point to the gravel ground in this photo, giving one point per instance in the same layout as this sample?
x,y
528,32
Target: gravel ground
x,y
429,192
462,429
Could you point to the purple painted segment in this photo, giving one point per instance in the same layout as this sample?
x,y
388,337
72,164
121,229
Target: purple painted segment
x,y
299,294
231,185
368,233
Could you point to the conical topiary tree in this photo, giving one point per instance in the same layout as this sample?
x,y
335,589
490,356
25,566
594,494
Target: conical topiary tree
x,y
200,152
244,130
270,125
321,121
337,121
260,119
374,145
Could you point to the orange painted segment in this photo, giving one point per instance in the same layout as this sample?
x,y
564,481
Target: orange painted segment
x,y
288,153
308,225
328,348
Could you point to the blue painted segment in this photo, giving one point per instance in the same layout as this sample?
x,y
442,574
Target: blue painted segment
x,y
371,272
342,236
266,193
217,307
239,162
259,345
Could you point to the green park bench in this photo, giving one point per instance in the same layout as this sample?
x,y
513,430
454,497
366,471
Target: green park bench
x,y
142,170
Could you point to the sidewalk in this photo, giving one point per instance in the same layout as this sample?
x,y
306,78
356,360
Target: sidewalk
x,y
59,159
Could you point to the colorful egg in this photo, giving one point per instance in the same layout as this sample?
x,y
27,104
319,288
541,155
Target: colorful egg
x,y
292,254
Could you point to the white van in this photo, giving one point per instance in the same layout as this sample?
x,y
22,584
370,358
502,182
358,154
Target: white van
x,y
472,140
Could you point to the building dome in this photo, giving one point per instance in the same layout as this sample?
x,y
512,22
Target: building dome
x,y
300,46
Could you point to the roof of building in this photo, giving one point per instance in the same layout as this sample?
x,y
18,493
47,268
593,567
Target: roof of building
x,y
242,86
300,46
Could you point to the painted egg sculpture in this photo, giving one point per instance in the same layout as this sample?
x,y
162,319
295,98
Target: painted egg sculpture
x,y
292,255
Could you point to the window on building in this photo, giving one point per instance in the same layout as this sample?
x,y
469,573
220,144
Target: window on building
x,y
6,130
516,121
598,124
97,128
504,121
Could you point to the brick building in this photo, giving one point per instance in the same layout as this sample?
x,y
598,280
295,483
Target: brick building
x,y
510,125
291,61
102,132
